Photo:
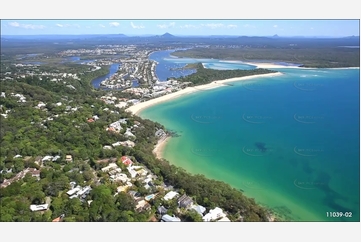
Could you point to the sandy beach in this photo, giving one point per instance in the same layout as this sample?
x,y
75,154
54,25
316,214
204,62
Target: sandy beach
x,y
158,149
273,65
135,109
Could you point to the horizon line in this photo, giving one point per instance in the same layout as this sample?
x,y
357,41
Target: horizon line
x,y
180,35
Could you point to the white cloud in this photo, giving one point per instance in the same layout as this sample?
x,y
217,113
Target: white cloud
x,y
114,24
188,26
166,26
68,25
275,26
136,26
26,26
232,26
213,26
100,25
249,26
33,26
14,24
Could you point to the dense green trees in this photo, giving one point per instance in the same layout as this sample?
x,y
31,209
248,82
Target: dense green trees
x,y
204,76
320,55
58,130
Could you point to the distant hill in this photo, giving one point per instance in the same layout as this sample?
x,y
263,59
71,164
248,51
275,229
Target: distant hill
x,y
167,35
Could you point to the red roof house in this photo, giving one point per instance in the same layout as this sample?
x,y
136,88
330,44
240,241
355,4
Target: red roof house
x,y
126,160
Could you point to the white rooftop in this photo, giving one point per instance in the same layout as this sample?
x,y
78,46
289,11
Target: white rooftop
x,y
170,195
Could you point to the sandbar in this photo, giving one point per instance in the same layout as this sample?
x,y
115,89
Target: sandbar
x,y
266,65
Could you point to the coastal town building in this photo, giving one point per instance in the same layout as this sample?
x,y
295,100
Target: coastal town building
x,y
69,158
170,195
168,218
40,207
184,201
214,214
126,160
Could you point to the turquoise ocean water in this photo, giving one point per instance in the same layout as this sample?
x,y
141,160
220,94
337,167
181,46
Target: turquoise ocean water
x,y
292,142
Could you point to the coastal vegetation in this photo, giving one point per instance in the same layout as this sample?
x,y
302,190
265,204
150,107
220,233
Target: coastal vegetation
x,y
323,57
204,75
60,127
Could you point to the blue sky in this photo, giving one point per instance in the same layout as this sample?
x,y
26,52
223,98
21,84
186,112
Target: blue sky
x,y
334,28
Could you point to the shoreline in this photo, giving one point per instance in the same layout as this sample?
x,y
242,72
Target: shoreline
x,y
159,147
137,108
266,65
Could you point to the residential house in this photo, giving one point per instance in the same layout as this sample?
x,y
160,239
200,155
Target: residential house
x,y
126,160
142,205
170,195
162,210
168,218
73,191
142,172
119,177
68,158
199,209
47,158
110,167
128,133
132,172
40,207
214,214
124,188
224,219
184,201
136,195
